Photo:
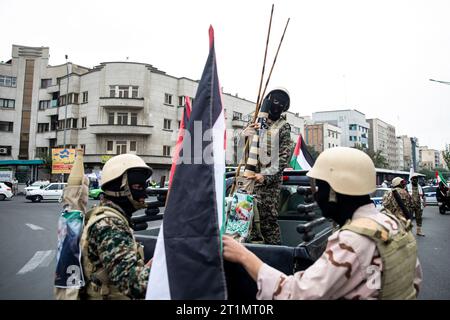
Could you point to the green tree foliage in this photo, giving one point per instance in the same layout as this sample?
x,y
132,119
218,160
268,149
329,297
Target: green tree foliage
x,y
446,156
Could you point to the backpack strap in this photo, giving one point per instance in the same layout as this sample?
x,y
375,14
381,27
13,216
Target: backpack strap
x,y
369,228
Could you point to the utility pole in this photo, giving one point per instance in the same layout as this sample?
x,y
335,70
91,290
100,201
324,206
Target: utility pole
x,y
65,111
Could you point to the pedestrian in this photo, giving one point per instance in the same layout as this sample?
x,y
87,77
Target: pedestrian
x,y
368,245
418,202
268,177
397,200
113,262
15,187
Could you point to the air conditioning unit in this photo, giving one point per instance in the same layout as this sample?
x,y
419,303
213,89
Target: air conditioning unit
x,y
3,150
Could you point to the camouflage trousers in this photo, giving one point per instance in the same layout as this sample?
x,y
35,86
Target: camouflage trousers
x,y
267,203
417,213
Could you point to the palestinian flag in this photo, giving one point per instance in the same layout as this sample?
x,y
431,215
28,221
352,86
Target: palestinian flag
x,y
301,159
187,263
440,178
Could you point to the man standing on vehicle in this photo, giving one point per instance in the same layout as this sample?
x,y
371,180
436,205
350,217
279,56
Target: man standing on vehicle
x,y
269,178
113,262
418,202
398,201
368,246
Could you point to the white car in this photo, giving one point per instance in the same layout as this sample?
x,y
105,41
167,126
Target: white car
x,y
5,192
53,191
377,197
430,194
35,186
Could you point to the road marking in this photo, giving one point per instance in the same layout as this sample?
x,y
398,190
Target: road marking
x,y
33,226
40,258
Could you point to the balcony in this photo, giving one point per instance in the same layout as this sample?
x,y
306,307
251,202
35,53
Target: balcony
x,y
71,136
53,89
132,103
47,135
110,129
238,123
73,111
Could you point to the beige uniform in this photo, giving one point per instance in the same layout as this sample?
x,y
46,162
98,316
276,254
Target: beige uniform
x,y
347,269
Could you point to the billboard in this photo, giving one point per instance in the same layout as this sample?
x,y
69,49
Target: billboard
x,y
62,160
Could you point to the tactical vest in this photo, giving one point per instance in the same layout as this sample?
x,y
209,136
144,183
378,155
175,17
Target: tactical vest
x,y
97,280
398,254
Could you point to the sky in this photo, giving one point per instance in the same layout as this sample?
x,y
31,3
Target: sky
x,y
375,56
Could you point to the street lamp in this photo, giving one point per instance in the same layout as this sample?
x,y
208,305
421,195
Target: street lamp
x,y
65,110
444,82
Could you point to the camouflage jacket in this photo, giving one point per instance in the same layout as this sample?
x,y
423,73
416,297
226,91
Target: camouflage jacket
x,y
273,172
391,204
111,245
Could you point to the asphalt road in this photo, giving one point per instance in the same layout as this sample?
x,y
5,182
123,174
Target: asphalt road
x,y
28,247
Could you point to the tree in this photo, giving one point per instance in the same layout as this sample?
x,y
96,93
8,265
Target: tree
x,y
446,156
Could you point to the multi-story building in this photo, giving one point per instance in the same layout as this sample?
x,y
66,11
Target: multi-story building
x,y
113,108
353,124
323,136
429,158
382,138
399,153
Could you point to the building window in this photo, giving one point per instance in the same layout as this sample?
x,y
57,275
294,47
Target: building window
x,y
123,91
6,126
166,150
133,118
179,124
44,104
85,97
134,91
237,115
53,122
111,118
43,127
6,81
121,147
181,101
168,98
109,145
83,122
192,101
74,123
167,124
352,127
41,152
45,83
7,103
83,147
68,123
133,146
122,118
112,91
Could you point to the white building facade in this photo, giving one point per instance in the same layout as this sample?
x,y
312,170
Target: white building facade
x,y
355,129
382,138
113,108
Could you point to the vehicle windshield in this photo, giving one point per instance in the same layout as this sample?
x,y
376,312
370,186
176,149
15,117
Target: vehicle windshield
x,y
379,193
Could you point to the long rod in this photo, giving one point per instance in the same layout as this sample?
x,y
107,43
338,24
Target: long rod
x,y
259,94
65,110
247,144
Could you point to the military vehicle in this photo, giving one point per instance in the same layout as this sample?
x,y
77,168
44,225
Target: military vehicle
x,y
304,233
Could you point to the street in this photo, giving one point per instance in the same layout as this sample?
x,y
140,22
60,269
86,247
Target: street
x,y
28,247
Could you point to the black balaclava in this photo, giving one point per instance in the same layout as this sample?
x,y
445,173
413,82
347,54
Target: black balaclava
x,y
414,181
341,207
135,176
279,103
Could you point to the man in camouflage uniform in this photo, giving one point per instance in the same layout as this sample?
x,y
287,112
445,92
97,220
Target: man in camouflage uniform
x,y
418,201
269,178
113,263
402,206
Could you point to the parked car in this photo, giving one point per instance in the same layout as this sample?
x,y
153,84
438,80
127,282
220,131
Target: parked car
x,y
53,191
35,186
430,194
377,197
304,233
96,194
5,192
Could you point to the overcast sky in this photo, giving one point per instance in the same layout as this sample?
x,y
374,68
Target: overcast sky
x,y
374,56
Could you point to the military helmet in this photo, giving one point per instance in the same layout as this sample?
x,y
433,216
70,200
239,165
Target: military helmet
x,y
348,171
396,182
118,165
282,91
